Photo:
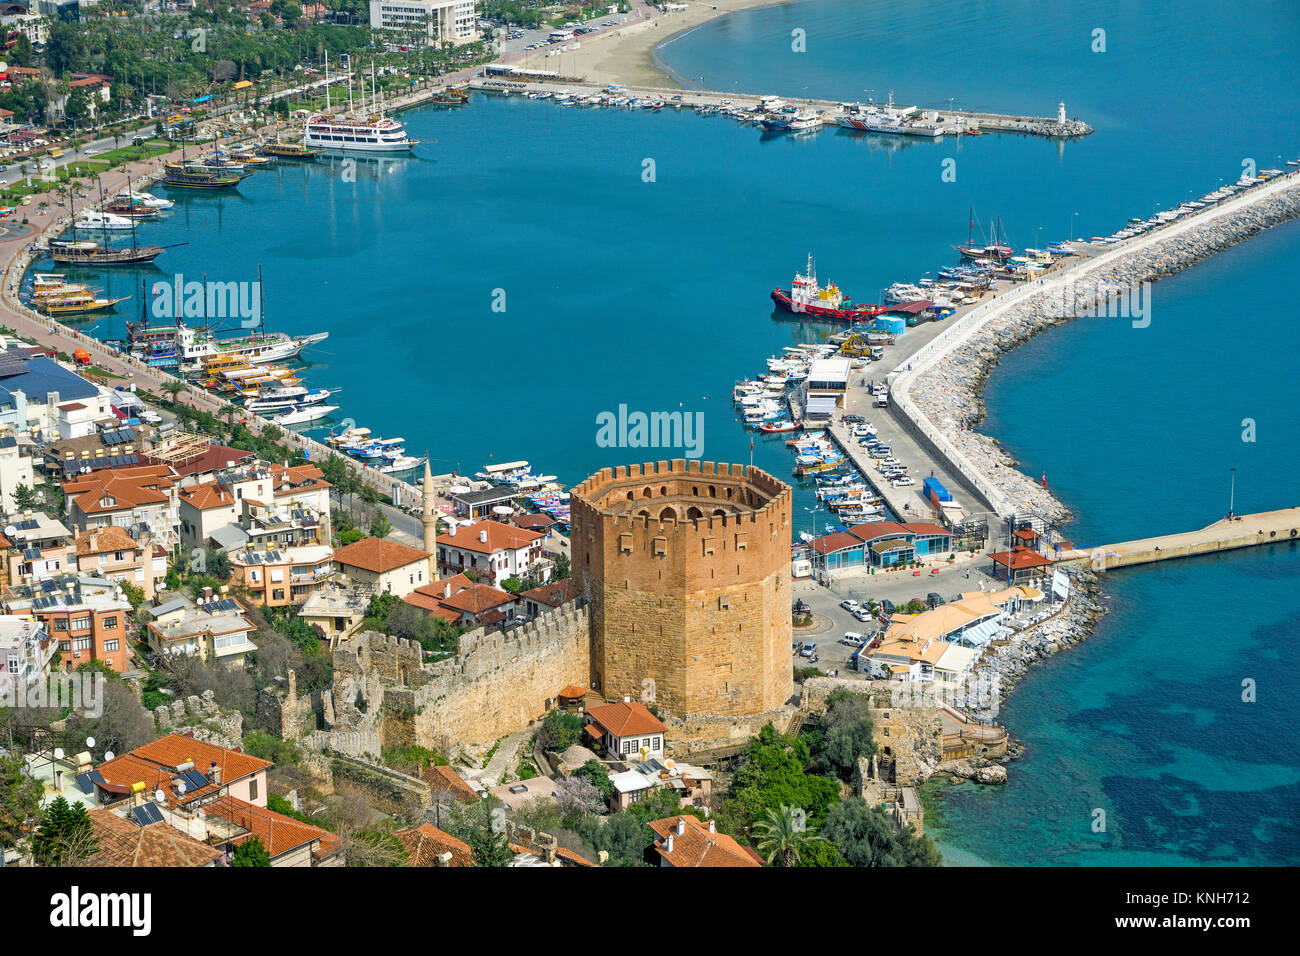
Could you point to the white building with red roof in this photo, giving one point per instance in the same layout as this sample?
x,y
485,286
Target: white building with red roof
x,y
493,551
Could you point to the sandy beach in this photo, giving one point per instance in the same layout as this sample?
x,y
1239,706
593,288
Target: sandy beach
x,y
627,56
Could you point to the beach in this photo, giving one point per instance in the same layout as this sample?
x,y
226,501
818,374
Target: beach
x,y
627,56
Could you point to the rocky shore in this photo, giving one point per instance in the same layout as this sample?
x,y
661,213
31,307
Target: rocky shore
x,y
950,396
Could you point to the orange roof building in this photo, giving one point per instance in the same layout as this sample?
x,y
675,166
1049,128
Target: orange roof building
x,y
445,782
289,842
426,845
157,765
123,843
387,565
688,841
494,551
627,729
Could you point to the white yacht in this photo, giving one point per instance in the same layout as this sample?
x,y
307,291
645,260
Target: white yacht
x,y
94,219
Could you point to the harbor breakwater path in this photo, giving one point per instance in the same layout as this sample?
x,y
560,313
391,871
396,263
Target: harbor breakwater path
x,y
935,394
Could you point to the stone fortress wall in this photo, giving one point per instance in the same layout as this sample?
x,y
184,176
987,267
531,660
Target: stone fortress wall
x,y
686,568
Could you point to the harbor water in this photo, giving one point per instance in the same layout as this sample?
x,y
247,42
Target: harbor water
x,y
533,266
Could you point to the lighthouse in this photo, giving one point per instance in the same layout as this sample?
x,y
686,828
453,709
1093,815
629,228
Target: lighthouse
x,y
1060,112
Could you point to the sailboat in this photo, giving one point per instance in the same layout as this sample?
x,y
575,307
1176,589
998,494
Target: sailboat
x,y
995,251
91,252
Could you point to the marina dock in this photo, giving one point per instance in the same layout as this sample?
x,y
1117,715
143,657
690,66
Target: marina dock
x,y
1227,534
1055,127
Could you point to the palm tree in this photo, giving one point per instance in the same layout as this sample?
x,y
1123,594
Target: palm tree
x,y
174,389
782,834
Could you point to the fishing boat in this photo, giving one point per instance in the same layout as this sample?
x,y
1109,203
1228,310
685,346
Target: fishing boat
x,y
303,416
779,426
349,437
806,297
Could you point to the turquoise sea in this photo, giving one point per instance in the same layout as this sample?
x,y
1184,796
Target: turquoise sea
x,y
650,291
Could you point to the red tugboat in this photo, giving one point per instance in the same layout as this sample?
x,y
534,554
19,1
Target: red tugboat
x,y
805,297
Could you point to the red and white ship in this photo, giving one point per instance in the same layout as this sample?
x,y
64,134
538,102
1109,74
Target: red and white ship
x,y
806,297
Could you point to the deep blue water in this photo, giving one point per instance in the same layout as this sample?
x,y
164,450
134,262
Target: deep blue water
x,y
654,295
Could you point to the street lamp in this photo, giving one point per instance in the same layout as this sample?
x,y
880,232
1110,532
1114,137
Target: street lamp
x,y
1232,492
1072,226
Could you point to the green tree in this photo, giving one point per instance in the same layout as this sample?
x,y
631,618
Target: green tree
x,y
67,49
560,730
20,800
562,568
251,853
848,733
783,835
22,52
65,836
490,847
867,836
26,498
595,773
381,526
134,593
772,774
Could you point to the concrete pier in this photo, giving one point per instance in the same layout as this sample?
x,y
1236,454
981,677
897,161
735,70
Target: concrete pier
x,y
1227,534
1051,127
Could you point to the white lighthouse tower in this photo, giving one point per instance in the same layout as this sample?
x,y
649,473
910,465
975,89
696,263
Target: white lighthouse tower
x,y
1060,112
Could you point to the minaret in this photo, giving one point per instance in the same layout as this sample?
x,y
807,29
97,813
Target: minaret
x,y
429,519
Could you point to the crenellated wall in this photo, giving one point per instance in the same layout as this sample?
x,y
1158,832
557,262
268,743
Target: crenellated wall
x,y
686,567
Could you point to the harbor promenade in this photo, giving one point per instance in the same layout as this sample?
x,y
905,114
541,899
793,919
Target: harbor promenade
x,y
1227,534
18,252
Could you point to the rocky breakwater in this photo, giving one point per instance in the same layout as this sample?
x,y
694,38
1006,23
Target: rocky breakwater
x,y
950,394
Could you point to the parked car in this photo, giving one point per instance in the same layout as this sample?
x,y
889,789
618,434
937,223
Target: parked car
x,y
808,650
851,419
850,605
934,599
852,639
904,482
887,606
863,615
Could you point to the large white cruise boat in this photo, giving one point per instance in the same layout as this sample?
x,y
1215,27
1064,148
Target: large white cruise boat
x,y
365,134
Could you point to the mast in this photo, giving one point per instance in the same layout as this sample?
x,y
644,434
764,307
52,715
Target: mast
x,y
374,95
970,227
261,303
327,81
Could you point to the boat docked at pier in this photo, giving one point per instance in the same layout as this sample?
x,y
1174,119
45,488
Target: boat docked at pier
x,y
278,150
992,251
88,252
365,134
94,219
806,297
190,175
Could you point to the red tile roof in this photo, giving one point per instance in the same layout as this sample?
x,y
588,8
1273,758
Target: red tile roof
x,y
1020,559
625,718
378,555
696,846
207,495
500,537
925,527
444,780
552,594
129,487
154,764
830,543
111,538
876,529
123,843
212,458
477,599
425,843
278,833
